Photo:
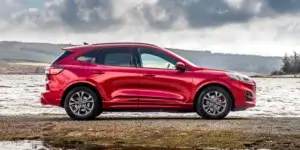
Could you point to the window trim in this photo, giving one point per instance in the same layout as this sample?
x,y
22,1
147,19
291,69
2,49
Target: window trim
x,y
132,53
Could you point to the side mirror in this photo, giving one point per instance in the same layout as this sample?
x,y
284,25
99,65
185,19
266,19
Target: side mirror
x,y
180,66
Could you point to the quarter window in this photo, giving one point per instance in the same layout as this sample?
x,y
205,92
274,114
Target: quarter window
x,y
90,57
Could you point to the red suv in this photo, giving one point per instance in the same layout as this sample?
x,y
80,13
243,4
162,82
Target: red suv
x,y
87,80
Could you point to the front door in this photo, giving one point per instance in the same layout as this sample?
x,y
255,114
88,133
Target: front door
x,y
161,86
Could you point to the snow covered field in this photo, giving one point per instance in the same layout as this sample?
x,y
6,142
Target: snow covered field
x,y
279,97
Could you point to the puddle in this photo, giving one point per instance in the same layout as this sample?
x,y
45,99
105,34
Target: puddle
x,y
22,145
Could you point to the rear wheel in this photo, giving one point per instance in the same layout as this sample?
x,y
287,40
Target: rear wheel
x,y
82,103
214,103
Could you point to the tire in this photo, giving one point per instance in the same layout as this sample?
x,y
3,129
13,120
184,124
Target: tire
x,y
90,103
206,108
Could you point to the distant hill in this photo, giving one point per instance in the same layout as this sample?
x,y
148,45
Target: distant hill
x,y
45,52
33,52
241,63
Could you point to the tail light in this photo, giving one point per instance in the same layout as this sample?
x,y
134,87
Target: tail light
x,y
53,70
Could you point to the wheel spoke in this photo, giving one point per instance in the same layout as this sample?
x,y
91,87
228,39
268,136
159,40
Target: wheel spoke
x,y
207,96
210,100
77,110
215,111
216,94
208,108
221,104
87,108
73,101
88,100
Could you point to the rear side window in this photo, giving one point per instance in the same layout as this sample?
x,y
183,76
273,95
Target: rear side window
x,y
62,56
117,56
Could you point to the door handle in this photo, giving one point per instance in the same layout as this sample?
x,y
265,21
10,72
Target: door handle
x,y
98,72
149,75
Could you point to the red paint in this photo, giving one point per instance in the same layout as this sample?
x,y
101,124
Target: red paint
x,y
136,87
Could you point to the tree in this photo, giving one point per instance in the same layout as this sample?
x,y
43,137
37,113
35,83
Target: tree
x,y
286,64
295,63
291,64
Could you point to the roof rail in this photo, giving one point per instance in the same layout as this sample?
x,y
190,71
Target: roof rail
x,y
124,43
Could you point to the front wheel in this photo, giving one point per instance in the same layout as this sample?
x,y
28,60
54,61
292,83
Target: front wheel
x,y
82,103
214,103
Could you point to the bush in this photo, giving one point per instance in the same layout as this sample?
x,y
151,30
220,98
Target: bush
x,y
277,73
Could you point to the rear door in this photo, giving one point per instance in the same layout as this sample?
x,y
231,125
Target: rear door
x,y
116,75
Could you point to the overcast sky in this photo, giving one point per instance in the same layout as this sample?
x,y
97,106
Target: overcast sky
x,y
264,27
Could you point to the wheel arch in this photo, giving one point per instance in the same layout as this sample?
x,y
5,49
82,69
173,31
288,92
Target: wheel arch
x,y
225,87
80,84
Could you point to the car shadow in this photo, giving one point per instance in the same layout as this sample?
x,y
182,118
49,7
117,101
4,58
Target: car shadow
x,y
142,118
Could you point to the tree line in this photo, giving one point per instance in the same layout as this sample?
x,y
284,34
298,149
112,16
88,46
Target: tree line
x,y
291,65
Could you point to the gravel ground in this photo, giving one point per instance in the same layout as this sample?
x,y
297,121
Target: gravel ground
x,y
60,131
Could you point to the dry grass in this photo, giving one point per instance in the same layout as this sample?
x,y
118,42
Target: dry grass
x,y
134,134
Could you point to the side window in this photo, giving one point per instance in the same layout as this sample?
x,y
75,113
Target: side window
x,y
151,58
118,59
119,56
90,57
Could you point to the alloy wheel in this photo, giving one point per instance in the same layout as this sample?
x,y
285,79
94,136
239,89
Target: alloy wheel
x,y
81,103
214,103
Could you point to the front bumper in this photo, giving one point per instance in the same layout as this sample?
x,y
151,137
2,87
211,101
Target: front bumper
x,y
244,95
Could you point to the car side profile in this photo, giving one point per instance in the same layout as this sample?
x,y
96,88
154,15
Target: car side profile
x,y
90,79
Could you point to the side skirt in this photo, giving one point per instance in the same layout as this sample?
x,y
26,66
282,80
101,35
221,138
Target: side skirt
x,y
149,110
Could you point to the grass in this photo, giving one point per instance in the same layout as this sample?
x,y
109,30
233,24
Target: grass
x,y
142,139
137,135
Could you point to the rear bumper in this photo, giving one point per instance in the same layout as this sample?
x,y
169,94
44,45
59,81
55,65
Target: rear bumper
x,y
50,98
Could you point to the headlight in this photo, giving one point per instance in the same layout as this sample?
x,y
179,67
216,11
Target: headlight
x,y
239,77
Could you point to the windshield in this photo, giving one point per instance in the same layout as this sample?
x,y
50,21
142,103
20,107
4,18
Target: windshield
x,y
182,58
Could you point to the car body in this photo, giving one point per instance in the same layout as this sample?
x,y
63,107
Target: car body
x,y
141,77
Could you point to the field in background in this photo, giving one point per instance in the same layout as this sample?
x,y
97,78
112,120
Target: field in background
x,y
20,67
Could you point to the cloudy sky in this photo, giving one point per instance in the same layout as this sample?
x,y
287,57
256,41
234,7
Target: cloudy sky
x,y
264,27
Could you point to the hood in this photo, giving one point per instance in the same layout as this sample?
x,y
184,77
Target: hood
x,y
218,71
213,70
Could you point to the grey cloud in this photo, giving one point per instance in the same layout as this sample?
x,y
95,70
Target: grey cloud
x,y
212,13
77,15
89,14
284,6
170,10
98,15
198,13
